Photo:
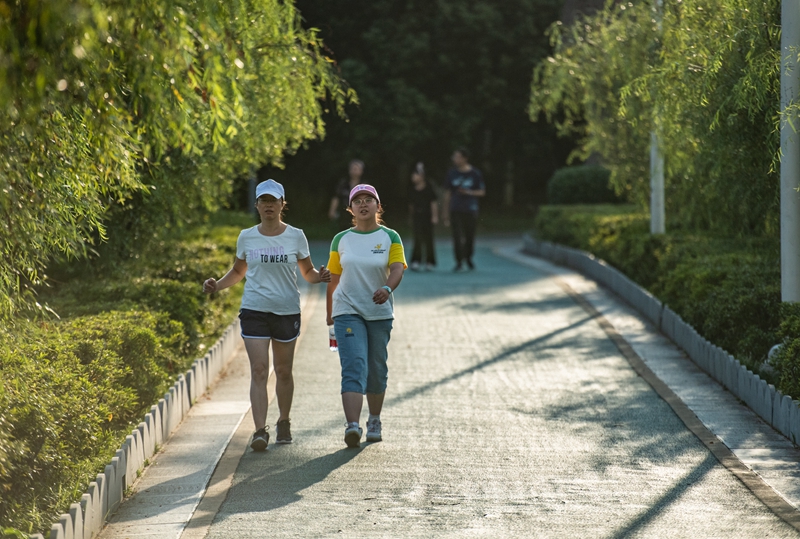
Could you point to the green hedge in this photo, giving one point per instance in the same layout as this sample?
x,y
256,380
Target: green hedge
x,y
787,360
583,184
75,386
727,289
70,392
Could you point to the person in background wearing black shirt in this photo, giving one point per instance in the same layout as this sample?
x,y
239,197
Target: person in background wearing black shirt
x,y
463,187
337,212
424,210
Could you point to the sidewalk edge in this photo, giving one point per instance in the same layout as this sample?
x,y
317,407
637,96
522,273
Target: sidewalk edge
x,y
752,480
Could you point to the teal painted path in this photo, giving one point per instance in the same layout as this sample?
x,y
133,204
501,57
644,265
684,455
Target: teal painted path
x,y
510,413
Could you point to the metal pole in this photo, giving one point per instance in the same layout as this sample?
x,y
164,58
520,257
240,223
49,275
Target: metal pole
x,y
251,193
657,214
790,152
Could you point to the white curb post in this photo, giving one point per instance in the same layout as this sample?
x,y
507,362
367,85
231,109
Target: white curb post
x,y
68,529
76,515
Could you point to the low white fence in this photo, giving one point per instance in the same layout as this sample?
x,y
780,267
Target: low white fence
x,y
771,405
87,518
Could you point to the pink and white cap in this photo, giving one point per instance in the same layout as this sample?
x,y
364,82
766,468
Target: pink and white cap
x,y
362,188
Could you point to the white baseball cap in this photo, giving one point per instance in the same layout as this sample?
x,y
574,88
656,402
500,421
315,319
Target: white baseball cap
x,y
269,187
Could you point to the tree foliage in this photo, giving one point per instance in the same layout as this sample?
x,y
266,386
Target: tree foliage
x,y
431,76
704,74
124,117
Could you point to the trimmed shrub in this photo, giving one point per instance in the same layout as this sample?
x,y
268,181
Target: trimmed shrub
x,y
583,184
617,234
787,360
729,291
70,391
168,279
182,301
73,388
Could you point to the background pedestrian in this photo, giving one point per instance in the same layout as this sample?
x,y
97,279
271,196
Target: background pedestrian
x,y
424,209
463,186
337,212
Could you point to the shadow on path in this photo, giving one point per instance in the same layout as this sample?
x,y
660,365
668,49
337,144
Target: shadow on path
x,y
658,506
393,400
527,307
506,354
277,483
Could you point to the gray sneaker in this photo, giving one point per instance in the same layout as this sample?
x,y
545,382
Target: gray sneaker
x,y
374,430
260,440
352,436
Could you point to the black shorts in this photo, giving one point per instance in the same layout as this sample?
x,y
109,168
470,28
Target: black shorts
x,y
260,325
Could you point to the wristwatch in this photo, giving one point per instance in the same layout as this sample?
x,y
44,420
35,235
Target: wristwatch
x,y
387,288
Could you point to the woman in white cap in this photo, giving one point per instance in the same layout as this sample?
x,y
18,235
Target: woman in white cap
x,y
366,265
268,255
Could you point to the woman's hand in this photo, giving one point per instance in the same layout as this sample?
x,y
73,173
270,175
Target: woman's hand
x,y
324,274
380,296
234,275
210,286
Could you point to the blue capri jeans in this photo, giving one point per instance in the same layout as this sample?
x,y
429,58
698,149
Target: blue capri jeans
x,y
363,353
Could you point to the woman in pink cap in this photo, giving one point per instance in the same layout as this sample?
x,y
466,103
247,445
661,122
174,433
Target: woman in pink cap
x,y
366,264
269,254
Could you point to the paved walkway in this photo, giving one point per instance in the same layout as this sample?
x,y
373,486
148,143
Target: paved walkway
x,y
510,413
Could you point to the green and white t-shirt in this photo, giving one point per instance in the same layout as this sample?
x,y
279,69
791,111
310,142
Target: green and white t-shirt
x,y
271,285
363,259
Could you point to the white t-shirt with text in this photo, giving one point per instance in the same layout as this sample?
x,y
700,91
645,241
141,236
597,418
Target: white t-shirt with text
x,y
271,279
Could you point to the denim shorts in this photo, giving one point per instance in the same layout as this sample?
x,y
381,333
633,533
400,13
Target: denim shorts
x,y
363,353
260,325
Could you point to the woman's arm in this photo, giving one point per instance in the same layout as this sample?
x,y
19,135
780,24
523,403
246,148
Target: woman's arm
x,y
473,192
396,270
311,274
446,208
334,282
234,275
333,210
434,212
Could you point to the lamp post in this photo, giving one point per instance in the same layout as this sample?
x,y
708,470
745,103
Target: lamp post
x,y
252,180
657,215
790,151
657,218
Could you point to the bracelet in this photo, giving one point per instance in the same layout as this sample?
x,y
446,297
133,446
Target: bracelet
x,y
387,288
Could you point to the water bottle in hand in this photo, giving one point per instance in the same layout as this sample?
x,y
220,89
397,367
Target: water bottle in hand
x,y
332,339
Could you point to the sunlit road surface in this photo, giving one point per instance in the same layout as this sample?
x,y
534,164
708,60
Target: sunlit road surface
x,y
509,413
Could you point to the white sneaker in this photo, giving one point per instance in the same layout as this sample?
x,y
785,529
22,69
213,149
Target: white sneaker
x,y
352,435
429,267
414,266
374,430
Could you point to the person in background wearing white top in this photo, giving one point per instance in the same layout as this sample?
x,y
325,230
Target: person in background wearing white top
x,y
366,264
268,255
